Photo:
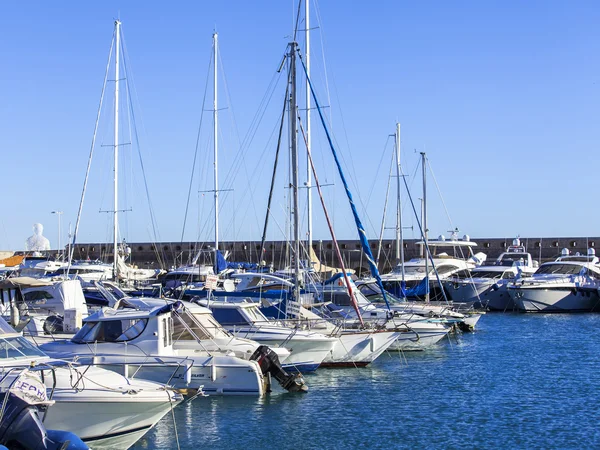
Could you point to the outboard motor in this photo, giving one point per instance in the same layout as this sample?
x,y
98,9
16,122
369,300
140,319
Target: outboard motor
x,y
269,363
53,325
20,423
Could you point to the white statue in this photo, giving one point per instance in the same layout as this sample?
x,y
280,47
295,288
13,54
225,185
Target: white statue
x,y
37,242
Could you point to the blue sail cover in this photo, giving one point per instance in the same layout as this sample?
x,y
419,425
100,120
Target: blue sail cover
x,y
419,290
223,264
361,229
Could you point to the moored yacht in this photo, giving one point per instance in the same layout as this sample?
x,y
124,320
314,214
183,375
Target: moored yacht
x,y
568,284
486,285
141,342
104,408
308,348
413,272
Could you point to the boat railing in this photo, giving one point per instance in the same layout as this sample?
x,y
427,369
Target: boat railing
x,y
176,362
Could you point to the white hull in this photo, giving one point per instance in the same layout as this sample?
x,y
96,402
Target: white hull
x,y
306,353
420,335
106,424
564,298
359,348
500,300
465,291
218,375
104,409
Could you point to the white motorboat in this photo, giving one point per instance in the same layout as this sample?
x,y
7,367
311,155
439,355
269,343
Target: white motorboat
x,y
486,285
568,284
87,271
444,265
104,408
244,319
141,342
357,346
195,329
32,305
414,332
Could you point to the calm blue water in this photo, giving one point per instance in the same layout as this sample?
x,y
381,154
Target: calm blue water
x,y
520,381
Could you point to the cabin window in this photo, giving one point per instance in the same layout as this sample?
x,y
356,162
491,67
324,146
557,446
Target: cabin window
x,y
338,298
36,295
110,331
165,333
562,269
446,269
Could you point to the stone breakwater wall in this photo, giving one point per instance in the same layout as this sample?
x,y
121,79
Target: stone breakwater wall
x,y
170,254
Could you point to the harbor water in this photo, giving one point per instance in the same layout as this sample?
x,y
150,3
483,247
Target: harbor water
x,y
520,381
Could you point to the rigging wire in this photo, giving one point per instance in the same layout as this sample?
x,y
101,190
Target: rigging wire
x,y
87,173
153,222
187,204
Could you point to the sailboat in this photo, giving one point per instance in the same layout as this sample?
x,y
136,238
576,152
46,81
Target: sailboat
x,y
97,270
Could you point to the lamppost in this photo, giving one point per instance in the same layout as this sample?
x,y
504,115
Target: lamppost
x,y
58,213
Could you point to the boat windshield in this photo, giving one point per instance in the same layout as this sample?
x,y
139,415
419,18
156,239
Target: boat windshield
x,y
374,295
204,326
119,330
18,347
255,314
509,259
562,269
5,328
411,270
492,274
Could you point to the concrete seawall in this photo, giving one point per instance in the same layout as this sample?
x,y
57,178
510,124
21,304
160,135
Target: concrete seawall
x,y
169,254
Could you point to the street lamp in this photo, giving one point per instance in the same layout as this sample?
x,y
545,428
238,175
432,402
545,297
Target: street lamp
x,y
58,213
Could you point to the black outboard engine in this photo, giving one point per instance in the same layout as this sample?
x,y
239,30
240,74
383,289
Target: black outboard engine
x,y
20,424
53,325
269,363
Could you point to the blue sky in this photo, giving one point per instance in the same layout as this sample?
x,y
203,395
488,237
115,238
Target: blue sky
x,y
503,96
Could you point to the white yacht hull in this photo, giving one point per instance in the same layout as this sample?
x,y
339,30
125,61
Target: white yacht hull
x,y
500,300
420,335
108,423
305,354
566,298
104,409
468,291
359,348
218,375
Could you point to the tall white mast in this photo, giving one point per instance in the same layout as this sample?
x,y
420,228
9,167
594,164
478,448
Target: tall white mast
x,y
424,220
294,158
116,151
215,140
308,140
399,235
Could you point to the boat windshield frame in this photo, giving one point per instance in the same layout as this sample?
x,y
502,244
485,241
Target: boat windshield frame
x,y
24,349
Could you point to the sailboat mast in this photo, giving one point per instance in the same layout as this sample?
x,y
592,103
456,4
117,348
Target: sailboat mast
x,y
399,235
424,222
294,158
215,141
116,151
307,126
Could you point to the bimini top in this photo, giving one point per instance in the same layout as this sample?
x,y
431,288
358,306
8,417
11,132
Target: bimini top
x,y
22,283
119,314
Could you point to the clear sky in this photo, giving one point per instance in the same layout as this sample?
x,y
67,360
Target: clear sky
x,y
504,97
